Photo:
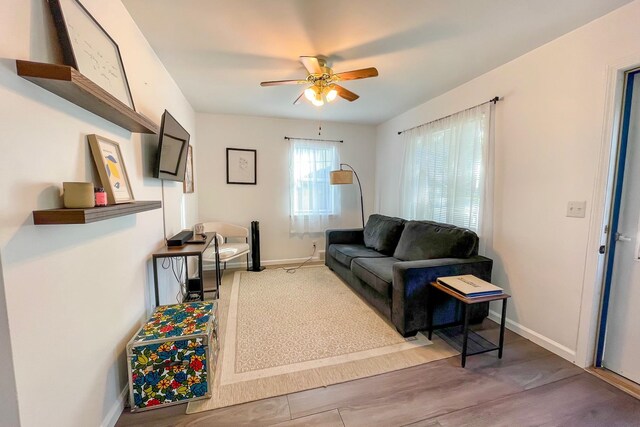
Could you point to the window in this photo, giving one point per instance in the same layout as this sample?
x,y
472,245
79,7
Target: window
x,y
313,200
445,169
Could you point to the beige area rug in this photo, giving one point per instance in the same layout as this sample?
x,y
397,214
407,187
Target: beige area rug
x,y
281,333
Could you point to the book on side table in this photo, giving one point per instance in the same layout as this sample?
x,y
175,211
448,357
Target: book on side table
x,y
470,286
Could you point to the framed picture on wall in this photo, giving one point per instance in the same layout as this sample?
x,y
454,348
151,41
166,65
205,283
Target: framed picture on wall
x,y
111,170
241,166
88,48
188,185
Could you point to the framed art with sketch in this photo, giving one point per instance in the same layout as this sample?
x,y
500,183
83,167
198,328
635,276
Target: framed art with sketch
x,y
88,48
241,166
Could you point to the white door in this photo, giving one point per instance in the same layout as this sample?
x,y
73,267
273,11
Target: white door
x,y
622,341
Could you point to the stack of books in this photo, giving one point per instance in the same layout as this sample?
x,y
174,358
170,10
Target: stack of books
x,y
469,286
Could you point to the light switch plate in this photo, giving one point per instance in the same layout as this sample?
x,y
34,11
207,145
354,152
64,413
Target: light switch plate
x,y
576,209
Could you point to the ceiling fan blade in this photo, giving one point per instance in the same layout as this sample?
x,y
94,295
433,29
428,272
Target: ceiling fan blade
x,y
364,73
346,94
299,99
311,64
284,82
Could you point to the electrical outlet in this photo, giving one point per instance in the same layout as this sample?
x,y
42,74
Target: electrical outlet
x,y
577,209
315,243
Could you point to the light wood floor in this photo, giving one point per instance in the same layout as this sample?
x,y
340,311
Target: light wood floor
x,y
530,386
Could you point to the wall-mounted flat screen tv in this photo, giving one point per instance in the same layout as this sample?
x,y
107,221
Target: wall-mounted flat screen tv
x,y
171,160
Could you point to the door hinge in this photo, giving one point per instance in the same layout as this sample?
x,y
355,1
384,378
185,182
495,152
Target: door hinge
x,y
606,229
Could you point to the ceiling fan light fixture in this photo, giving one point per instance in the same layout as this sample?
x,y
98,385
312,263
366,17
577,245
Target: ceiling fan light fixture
x,y
317,101
330,93
310,93
321,81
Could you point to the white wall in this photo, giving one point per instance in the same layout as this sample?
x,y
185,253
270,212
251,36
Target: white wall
x,y
74,294
8,393
549,132
268,201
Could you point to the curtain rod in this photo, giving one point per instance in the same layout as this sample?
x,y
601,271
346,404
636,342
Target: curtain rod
x,y
315,139
495,99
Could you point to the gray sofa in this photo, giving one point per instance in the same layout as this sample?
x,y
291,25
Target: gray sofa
x,y
392,261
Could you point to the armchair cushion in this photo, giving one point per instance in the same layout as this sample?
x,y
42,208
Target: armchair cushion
x,y
382,233
231,242
422,240
227,251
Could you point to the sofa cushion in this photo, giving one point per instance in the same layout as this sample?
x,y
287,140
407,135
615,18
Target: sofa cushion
x,y
429,240
382,233
375,272
345,253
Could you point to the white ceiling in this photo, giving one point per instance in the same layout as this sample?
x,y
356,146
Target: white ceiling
x,y
219,51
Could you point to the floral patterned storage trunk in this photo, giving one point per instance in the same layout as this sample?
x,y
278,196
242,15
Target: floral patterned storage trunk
x,y
172,358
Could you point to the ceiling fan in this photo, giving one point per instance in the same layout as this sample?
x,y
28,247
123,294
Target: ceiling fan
x,y
323,81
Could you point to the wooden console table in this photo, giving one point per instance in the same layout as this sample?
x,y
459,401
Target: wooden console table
x,y
452,334
185,251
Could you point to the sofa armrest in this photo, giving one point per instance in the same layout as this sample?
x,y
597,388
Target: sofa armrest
x,y
344,236
411,290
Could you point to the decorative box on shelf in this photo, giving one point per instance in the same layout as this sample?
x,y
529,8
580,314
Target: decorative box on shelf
x,y
172,358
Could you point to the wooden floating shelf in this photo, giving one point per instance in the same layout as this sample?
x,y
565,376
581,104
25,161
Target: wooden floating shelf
x,y
68,83
87,215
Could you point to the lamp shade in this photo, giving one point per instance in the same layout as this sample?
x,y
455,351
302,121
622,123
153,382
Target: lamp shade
x,y
341,177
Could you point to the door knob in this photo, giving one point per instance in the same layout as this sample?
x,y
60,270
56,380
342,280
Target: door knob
x,y
622,238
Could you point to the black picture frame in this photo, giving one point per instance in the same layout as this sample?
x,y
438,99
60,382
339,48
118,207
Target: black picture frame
x,y
242,166
107,69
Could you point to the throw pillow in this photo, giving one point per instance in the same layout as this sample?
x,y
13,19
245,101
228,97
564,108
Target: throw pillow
x,y
429,240
382,233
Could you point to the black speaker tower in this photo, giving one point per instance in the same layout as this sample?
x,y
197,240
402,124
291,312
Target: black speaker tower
x,y
255,247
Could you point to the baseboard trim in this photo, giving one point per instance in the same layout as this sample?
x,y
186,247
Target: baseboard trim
x,y
541,340
318,257
290,261
114,413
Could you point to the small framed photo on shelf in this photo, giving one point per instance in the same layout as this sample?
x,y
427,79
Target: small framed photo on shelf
x,y
111,169
241,166
187,185
88,48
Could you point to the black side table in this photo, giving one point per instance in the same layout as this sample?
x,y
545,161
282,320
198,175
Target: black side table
x,y
185,251
452,334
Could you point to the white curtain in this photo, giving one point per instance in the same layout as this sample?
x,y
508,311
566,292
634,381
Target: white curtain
x,y
314,204
447,172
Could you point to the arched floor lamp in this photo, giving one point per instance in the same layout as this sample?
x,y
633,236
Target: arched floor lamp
x,y
342,176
